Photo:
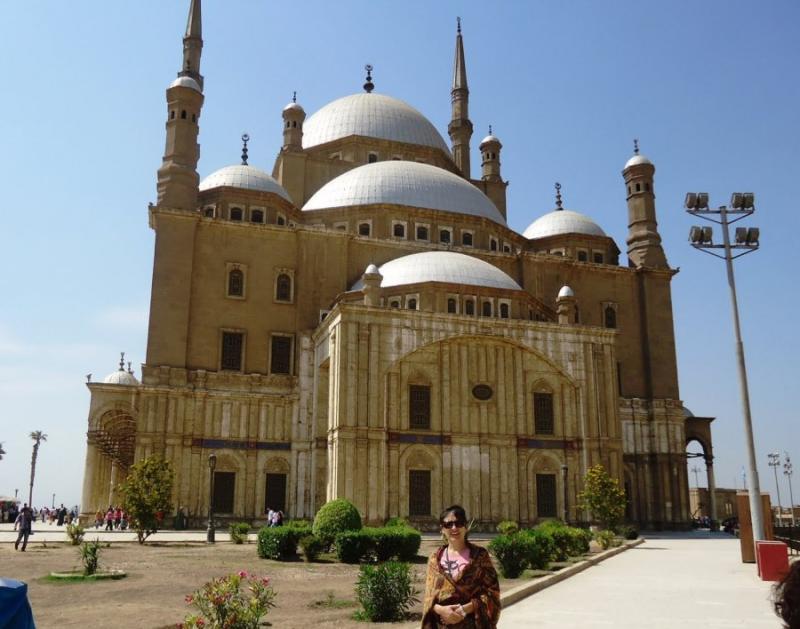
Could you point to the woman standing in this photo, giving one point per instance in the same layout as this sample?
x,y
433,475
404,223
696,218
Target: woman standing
x,y
461,588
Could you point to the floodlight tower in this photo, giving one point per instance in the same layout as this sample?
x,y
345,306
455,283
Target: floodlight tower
x,y
701,238
787,470
774,463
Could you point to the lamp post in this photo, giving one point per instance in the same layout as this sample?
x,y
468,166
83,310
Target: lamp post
x,y
774,462
564,475
212,463
787,470
54,501
746,241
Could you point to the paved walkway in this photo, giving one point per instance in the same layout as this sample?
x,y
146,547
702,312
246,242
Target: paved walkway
x,y
678,580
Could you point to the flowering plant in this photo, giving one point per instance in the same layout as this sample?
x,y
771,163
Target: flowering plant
x,y
236,601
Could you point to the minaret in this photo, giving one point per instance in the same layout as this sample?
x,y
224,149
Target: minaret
x,y
177,177
644,241
293,117
460,127
490,157
193,44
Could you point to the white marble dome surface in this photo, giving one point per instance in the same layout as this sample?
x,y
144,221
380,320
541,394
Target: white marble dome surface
x,y
404,183
442,266
373,116
246,177
186,81
636,160
562,222
120,376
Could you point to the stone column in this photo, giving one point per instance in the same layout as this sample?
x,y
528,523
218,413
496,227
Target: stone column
x,y
712,490
88,498
112,486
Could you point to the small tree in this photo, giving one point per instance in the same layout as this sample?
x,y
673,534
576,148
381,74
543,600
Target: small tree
x,y
602,497
147,492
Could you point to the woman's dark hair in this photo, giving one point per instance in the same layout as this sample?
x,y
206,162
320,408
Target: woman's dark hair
x,y
786,597
456,510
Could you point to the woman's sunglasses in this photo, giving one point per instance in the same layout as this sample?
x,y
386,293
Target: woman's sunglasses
x,y
452,524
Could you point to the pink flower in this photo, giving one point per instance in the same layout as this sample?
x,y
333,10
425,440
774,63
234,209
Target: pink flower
x,y
189,598
265,581
242,574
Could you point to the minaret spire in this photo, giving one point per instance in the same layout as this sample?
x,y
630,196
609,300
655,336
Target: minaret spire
x,y
460,127
193,44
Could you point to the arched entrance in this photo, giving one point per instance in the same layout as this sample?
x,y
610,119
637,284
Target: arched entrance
x,y
699,450
111,446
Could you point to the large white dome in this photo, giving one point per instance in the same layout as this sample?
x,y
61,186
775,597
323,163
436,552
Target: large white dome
x,y
373,116
562,222
404,183
246,177
121,377
442,266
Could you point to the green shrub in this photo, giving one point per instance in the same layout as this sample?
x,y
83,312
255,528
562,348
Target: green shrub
x,y
311,546
511,552
353,546
397,521
298,524
606,539
409,543
335,517
75,533
90,557
508,527
627,532
279,542
541,548
385,592
568,541
238,532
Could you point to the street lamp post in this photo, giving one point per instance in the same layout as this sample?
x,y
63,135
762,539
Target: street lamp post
x,y
774,462
212,463
696,471
746,241
787,470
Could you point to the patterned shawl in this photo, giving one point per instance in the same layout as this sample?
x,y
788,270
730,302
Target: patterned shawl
x,y
477,584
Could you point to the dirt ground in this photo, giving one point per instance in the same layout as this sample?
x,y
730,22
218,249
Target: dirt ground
x,y
160,576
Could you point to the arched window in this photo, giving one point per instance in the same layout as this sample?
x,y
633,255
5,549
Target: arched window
x,y
493,244
422,232
394,304
257,216
469,307
183,114
610,318
236,213
504,311
210,212
412,304
466,239
236,283
372,158
486,309
281,220
283,288
294,124
399,230
444,236
172,115
638,187
451,305
363,229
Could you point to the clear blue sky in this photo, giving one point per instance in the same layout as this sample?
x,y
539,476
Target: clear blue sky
x,y
710,88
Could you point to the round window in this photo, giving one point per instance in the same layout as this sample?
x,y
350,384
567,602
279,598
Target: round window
x,y
482,391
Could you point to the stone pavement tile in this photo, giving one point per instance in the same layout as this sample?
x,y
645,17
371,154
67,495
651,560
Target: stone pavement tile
x,y
680,581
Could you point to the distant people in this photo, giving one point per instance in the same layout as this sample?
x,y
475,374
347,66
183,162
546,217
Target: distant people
x,y
110,519
62,513
270,516
117,517
98,519
786,597
24,522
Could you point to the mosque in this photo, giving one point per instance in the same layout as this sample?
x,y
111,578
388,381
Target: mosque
x,y
362,323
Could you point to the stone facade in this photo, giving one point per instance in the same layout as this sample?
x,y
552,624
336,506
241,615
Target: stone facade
x,y
262,349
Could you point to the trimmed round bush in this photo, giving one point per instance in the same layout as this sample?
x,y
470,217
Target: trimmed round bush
x,y
507,527
628,532
511,552
540,549
312,546
409,543
385,591
335,517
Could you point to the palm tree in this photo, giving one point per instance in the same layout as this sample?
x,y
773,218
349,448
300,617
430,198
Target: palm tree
x,y
38,436
2,452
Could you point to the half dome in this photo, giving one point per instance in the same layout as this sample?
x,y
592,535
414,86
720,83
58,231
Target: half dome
x,y
442,266
404,183
120,376
560,222
637,160
244,177
373,116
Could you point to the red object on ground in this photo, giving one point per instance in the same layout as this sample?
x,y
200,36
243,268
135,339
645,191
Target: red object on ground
x,y
772,559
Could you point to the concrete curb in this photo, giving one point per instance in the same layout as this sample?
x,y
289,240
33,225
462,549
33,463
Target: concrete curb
x,y
516,594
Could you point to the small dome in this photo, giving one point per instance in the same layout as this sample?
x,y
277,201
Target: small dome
x,y
373,116
245,177
566,291
293,106
120,376
636,160
489,139
186,81
404,183
687,413
562,222
442,266
372,270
